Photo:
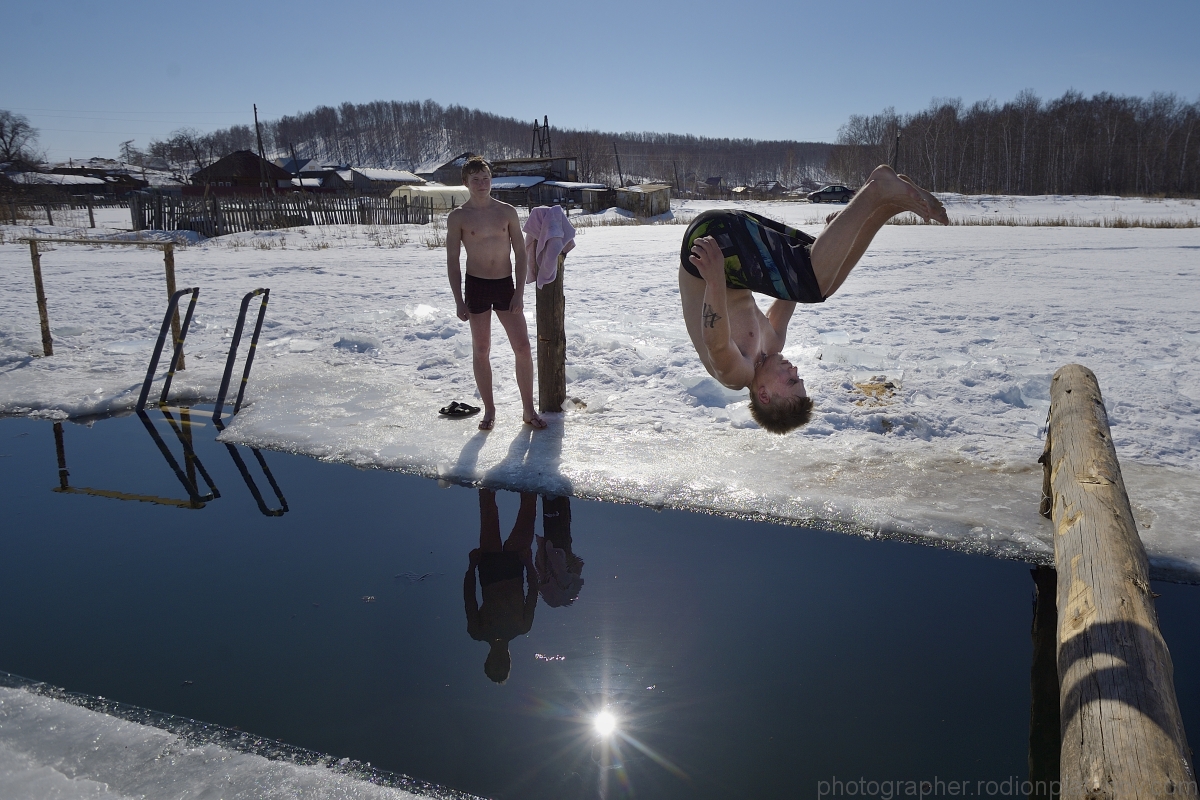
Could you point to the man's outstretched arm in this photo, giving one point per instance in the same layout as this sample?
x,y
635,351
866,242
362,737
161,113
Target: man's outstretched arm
x,y
732,368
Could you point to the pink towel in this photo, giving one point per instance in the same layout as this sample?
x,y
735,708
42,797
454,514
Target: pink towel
x,y
548,234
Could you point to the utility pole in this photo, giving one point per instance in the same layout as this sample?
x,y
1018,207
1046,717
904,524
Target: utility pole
x,y
896,154
262,158
618,155
296,167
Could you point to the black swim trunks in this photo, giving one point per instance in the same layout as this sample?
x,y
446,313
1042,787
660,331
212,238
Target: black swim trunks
x,y
502,566
761,255
484,294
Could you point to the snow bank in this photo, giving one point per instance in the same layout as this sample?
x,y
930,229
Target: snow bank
x,y
59,747
930,368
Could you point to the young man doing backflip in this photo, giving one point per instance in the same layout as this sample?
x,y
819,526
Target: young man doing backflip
x,y
727,255
488,229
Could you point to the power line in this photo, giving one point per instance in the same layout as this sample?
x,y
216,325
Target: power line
x,y
114,111
105,132
115,119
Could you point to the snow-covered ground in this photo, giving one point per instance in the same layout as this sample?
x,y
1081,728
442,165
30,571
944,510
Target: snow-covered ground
x,y
968,323
50,748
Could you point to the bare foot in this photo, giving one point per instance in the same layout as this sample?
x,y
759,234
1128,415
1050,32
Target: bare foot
x,y
938,211
487,423
535,422
901,192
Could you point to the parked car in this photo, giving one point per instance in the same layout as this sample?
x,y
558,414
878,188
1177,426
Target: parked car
x,y
831,194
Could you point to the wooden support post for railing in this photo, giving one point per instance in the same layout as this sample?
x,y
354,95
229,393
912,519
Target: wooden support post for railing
x,y
1045,746
169,266
1122,734
43,313
552,343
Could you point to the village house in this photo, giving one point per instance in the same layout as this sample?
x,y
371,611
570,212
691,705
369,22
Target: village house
x,y
240,172
116,176
552,169
450,173
382,182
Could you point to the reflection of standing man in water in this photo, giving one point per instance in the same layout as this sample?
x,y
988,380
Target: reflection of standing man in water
x,y
558,568
506,611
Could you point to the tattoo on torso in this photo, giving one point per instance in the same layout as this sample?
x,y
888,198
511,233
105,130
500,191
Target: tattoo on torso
x,y
710,316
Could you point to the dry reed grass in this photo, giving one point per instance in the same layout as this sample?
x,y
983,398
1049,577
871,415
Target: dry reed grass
x,y
1118,221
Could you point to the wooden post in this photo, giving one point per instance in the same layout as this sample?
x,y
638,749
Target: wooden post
x,y
43,314
49,216
91,215
1122,735
169,265
219,216
552,343
12,210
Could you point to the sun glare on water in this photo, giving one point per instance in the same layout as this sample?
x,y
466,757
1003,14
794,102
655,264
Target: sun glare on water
x,y
605,723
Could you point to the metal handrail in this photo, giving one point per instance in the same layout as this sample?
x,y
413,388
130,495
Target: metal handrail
x,y
189,456
249,479
158,346
233,347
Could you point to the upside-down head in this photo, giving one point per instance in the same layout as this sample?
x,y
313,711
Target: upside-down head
x,y
778,400
499,662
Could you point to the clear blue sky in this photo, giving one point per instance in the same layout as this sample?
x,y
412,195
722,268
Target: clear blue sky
x,y
90,75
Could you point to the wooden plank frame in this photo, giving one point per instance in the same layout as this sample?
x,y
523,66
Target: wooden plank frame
x,y
168,249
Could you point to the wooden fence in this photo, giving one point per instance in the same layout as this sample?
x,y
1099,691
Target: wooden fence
x,y
26,211
217,216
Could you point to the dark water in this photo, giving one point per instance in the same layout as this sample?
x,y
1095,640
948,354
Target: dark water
x,y
740,659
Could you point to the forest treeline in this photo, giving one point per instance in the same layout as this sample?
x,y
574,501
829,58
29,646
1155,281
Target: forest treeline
x,y
422,135
1106,144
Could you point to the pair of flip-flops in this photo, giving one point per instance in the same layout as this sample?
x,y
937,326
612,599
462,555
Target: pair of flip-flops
x,y
457,410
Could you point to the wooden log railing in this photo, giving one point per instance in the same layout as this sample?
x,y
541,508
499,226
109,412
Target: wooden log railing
x,y
1122,734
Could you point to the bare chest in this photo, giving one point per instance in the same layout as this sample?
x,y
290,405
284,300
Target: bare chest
x,y
749,328
484,229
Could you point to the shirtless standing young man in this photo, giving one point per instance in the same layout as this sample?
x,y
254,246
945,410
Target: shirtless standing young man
x,y
488,229
728,255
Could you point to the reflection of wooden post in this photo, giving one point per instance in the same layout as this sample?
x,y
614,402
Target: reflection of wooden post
x,y
1122,735
552,343
43,314
1044,742
169,264
61,452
